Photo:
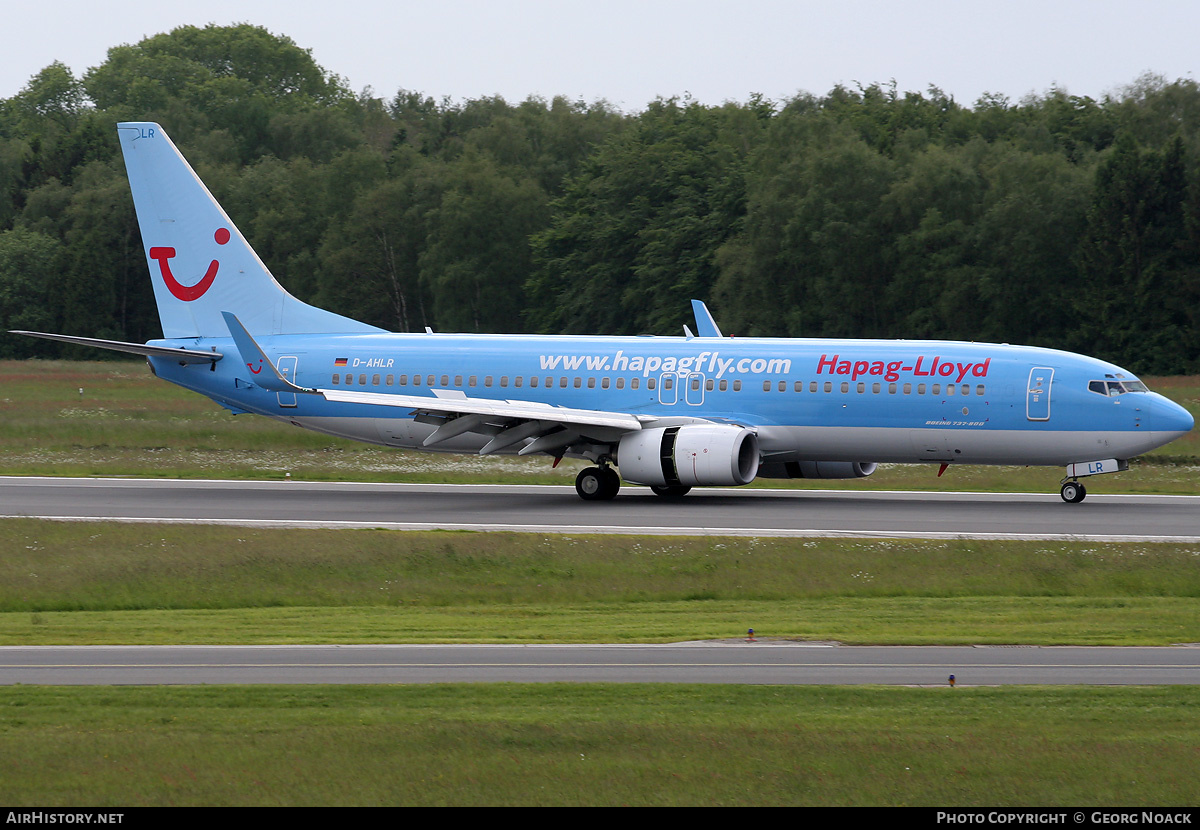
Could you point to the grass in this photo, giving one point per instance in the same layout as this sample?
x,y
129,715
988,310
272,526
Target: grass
x,y
114,583
125,422
598,745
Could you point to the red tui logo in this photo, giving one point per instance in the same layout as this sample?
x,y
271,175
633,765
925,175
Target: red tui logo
x,y
188,293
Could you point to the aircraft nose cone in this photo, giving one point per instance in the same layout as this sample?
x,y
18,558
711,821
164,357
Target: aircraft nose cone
x,y
1171,417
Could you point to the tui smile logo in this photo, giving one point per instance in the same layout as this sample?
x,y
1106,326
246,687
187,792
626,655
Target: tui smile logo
x,y
188,293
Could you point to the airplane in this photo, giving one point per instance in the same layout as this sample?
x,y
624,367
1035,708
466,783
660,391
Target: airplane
x,y
673,413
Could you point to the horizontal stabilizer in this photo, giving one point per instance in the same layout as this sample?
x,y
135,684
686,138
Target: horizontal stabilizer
x,y
182,355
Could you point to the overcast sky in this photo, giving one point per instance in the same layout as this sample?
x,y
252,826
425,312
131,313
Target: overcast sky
x,y
631,51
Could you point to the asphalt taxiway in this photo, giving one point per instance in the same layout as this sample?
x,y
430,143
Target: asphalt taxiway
x,y
718,511
774,663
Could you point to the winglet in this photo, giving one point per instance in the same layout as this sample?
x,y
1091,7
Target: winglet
x,y
265,375
706,326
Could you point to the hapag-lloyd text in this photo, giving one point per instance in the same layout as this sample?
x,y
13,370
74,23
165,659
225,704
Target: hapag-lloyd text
x,y
923,367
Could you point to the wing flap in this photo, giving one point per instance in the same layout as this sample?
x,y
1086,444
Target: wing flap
x,y
508,410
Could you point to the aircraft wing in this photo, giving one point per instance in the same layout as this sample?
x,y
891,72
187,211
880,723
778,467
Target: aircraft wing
x,y
508,422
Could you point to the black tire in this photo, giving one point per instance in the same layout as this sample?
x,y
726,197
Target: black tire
x,y
590,484
1073,492
671,491
612,482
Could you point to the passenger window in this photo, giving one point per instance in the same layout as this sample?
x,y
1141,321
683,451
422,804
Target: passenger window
x,y
591,383
603,383
349,380
766,386
798,386
966,390
649,383
562,383
668,383
979,390
390,380
862,387
891,389
908,389
458,380
845,387
875,387
429,380
920,389
812,387
533,382
404,380
620,383
696,384
416,380
374,380
783,386
828,386
950,389
633,384
708,385
473,380
336,379
737,386
724,386
362,380
937,389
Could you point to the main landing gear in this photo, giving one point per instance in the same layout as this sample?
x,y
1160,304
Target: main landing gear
x,y
597,483
671,491
1073,492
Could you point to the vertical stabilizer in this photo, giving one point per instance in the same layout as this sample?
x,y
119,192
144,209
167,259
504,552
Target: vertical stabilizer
x,y
200,264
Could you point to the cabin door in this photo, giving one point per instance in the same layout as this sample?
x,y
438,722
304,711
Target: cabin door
x,y
287,368
1037,395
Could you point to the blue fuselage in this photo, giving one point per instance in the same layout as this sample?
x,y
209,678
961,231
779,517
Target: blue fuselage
x,y
807,399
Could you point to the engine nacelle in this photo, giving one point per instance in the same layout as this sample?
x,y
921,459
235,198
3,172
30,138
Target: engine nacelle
x,y
689,455
816,469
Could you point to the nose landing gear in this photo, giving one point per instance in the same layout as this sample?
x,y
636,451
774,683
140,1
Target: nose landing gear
x,y
1073,492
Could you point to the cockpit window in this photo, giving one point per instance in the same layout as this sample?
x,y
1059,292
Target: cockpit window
x,y
1112,388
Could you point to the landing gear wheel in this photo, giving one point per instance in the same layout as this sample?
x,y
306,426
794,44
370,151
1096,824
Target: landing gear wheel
x,y
1073,492
597,484
671,491
612,482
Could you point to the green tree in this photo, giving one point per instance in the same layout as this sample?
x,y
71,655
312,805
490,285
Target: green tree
x,y
29,265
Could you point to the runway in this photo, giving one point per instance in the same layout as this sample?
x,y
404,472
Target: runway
x,y
781,663
717,511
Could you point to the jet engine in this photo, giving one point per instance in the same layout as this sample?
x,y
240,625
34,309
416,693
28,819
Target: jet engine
x,y
689,455
816,469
